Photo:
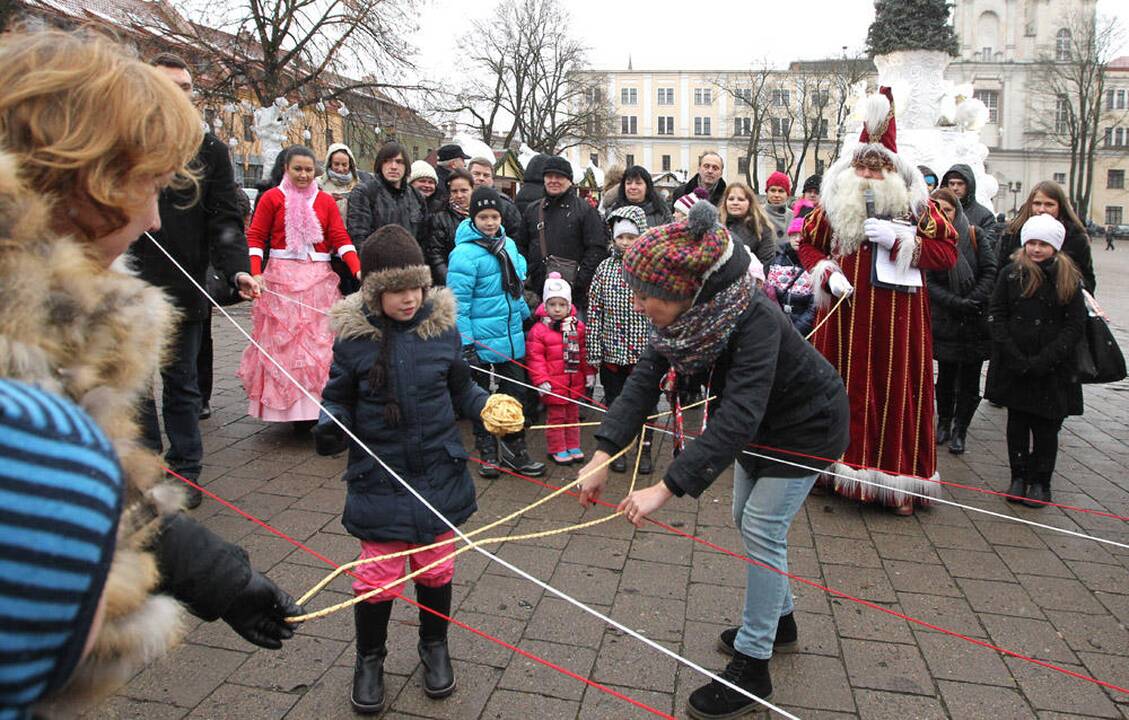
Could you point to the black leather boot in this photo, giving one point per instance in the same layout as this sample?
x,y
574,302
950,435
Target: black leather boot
x,y
438,675
718,702
515,456
619,465
787,636
368,675
1039,494
944,430
487,447
1019,470
956,442
646,466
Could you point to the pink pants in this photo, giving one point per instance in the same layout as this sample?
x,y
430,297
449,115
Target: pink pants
x,y
558,439
379,574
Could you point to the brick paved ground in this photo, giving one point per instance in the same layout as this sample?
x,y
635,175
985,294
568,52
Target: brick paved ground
x,y
1052,597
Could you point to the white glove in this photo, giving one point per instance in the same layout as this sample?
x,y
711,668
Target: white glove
x,y
880,232
840,286
545,387
905,233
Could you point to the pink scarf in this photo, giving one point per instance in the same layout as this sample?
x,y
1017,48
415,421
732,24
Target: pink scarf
x,y
303,229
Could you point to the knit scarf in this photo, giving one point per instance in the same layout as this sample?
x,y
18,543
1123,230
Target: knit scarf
x,y
511,281
303,229
695,340
458,210
570,333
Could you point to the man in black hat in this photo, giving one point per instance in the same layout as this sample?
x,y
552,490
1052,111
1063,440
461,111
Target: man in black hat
x,y
451,156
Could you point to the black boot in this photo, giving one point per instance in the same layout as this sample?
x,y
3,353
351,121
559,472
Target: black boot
x,y
368,675
717,702
1039,493
956,442
944,431
646,467
619,464
487,446
787,636
1018,487
515,456
438,675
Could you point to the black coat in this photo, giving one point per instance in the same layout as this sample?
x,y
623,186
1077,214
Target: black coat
x,y
1076,245
375,203
440,242
434,387
1033,345
764,248
197,233
715,196
532,184
512,221
977,214
773,388
960,319
657,212
573,230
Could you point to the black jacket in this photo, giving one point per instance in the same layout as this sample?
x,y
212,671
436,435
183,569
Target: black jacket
x,y
657,212
573,230
764,248
1076,245
1033,345
434,387
375,203
977,214
715,196
512,221
773,388
440,242
960,319
198,233
532,184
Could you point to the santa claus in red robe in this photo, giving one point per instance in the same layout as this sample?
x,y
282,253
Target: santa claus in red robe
x,y
874,201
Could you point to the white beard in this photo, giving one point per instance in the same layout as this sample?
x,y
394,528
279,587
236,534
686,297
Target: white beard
x,y
846,216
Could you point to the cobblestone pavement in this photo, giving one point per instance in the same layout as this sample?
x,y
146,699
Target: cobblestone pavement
x,y
1052,597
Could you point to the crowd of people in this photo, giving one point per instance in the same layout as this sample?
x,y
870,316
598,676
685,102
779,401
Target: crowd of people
x,y
391,303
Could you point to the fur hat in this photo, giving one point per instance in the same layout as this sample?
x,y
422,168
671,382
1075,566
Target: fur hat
x,y
422,169
391,260
812,183
63,488
687,201
560,166
780,180
671,262
484,197
1043,227
557,287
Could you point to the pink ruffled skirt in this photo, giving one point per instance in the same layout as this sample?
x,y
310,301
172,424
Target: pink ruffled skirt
x,y
298,337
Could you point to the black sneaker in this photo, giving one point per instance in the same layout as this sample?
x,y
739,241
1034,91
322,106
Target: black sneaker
x,y
715,701
193,497
619,465
646,467
515,456
205,412
787,636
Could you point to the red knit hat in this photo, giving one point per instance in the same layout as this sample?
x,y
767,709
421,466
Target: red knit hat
x,y
780,180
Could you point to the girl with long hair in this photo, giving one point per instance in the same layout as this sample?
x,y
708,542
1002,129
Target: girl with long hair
x,y
741,213
1049,198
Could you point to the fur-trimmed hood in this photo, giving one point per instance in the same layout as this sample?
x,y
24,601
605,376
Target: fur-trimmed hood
x,y
96,336
352,318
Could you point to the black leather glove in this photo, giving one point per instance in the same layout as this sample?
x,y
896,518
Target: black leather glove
x,y
329,439
470,354
257,613
970,306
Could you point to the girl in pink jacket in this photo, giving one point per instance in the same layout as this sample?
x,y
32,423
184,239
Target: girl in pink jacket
x,y
554,351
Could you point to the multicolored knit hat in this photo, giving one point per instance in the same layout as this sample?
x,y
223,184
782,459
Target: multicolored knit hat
x,y
62,487
671,262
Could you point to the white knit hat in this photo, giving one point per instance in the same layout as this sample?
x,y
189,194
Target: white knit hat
x,y
1043,227
422,169
557,287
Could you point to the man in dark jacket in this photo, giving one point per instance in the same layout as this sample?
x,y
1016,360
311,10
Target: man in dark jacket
x,y
482,170
962,182
568,227
388,199
532,183
710,167
196,231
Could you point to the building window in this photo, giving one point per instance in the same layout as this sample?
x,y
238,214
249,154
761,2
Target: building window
x,y
781,127
779,97
1113,215
248,132
1116,100
666,96
742,166
415,152
666,124
820,128
1116,137
703,96
628,125
1115,180
251,175
742,126
820,98
820,166
594,158
781,166
1062,114
1063,52
629,159
1059,178
594,95
666,163
986,54
991,100
629,96
745,95
701,126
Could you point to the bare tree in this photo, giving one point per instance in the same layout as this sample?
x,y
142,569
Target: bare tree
x,y
749,91
533,75
810,110
1068,103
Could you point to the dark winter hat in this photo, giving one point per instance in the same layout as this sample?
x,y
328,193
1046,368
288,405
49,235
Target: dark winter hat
x,y
560,166
62,488
391,260
484,198
780,180
812,183
452,151
671,262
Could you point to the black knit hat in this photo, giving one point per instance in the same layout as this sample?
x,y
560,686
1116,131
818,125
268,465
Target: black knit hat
x,y
484,198
812,183
392,260
557,164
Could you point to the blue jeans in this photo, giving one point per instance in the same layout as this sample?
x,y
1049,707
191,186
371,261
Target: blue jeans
x,y
763,509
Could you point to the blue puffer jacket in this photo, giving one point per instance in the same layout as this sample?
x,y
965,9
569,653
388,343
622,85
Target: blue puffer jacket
x,y
432,381
487,315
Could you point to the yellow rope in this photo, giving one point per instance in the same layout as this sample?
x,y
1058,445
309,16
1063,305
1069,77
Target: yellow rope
x,y
664,413
826,317
527,536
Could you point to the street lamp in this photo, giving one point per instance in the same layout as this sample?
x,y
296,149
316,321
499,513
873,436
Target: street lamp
x,y
1014,188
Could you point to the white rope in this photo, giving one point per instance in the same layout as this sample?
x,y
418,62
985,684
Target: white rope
x,y
462,536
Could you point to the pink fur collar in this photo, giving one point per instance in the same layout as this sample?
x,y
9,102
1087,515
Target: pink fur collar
x,y
303,229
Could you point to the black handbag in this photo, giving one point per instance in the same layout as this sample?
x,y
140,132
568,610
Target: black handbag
x,y
1098,358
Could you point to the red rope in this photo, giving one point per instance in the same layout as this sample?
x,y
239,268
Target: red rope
x,y
457,623
837,593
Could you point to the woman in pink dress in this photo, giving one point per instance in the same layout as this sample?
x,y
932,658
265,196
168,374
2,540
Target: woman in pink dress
x,y
301,226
